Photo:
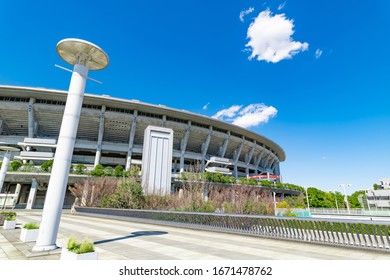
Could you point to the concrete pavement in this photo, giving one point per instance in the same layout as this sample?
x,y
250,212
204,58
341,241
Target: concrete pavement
x,y
124,240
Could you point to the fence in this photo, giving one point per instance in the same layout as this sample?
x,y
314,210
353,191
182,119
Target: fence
x,y
362,234
353,211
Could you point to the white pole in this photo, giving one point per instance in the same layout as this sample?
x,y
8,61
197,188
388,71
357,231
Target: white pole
x,y
337,206
4,168
345,196
62,160
307,199
275,203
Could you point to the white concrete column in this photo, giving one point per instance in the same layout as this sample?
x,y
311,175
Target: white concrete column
x,y
131,140
183,146
237,154
100,136
32,195
62,160
224,147
1,125
17,192
205,147
249,158
4,167
31,119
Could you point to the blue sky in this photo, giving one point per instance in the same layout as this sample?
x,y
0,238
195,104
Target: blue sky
x,y
313,76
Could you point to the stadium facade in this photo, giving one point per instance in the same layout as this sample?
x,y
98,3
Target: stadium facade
x,y
111,132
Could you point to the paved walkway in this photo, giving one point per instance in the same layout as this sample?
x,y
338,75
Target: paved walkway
x,y
123,240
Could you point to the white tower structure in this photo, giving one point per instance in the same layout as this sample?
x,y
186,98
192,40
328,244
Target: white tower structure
x,y
84,56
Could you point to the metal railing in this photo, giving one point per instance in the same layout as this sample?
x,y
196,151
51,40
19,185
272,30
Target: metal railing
x,y
356,234
354,211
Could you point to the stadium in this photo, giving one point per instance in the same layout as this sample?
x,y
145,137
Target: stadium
x,y
111,133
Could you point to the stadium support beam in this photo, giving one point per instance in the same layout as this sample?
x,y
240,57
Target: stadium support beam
x,y
258,160
205,147
1,125
33,194
237,154
224,147
31,119
183,146
131,140
100,136
249,158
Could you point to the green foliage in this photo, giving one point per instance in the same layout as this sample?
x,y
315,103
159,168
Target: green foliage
x,y
353,199
9,216
290,213
254,207
207,206
128,194
15,165
228,208
134,171
47,165
217,177
118,171
282,204
31,226
80,169
74,246
108,171
266,183
232,180
376,187
98,170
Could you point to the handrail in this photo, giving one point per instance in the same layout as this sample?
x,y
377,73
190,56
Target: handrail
x,y
372,235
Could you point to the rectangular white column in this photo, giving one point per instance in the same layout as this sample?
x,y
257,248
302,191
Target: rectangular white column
x,y
32,195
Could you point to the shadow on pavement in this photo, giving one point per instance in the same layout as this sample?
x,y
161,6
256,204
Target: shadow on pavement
x,y
132,235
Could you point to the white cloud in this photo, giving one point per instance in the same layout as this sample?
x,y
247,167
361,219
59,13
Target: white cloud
x,y
230,112
245,12
318,53
251,115
281,6
205,107
270,38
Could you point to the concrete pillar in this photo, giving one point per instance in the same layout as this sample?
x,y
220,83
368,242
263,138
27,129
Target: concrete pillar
x,y
100,136
205,147
237,154
31,120
131,140
183,146
17,192
4,167
32,195
224,146
1,125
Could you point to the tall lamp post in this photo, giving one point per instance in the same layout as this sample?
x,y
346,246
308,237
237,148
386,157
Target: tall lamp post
x,y
345,195
83,56
335,199
307,200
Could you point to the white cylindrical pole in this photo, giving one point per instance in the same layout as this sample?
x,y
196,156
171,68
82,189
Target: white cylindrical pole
x,y
62,160
307,200
335,198
4,168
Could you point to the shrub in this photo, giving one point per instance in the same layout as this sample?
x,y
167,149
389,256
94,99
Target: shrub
x,y
253,207
47,166
128,194
31,226
207,206
98,170
9,216
108,171
15,165
80,169
74,246
118,171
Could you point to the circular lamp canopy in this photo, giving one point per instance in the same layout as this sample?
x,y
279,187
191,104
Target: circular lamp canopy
x,y
70,49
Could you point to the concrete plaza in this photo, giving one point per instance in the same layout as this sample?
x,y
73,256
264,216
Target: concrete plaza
x,y
125,240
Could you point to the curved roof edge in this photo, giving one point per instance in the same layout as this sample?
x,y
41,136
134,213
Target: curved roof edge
x,y
95,99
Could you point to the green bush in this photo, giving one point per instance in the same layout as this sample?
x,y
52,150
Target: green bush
x,y
253,207
9,216
31,226
15,165
128,194
108,171
74,246
80,169
118,171
207,206
47,166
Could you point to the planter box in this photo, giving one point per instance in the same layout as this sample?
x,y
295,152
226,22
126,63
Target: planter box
x,y
9,224
28,235
66,255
